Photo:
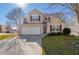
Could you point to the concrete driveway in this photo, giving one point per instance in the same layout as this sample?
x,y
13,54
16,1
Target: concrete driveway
x,y
32,38
17,46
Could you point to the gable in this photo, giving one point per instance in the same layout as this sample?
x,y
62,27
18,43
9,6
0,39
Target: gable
x,y
56,20
35,12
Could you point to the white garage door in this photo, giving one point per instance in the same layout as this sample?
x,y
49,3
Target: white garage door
x,y
31,30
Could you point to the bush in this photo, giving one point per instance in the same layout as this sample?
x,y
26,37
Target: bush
x,y
7,31
53,34
66,31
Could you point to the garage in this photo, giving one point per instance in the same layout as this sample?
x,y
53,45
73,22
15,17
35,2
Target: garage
x,y
31,29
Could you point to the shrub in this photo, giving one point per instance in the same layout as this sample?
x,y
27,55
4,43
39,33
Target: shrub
x,y
7,31
53,34
66,31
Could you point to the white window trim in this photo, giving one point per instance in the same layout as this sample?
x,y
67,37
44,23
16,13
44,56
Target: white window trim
x,y
35,19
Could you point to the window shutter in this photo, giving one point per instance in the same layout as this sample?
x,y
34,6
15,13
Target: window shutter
x,y
24,20
30,18
45,18
60,27
48,18
50,27
39,18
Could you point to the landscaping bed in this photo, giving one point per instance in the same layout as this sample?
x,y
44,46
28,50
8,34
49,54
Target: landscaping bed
x,y
60,45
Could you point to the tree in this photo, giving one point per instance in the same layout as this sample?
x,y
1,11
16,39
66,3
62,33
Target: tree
x,y
16,15
73,6
9,26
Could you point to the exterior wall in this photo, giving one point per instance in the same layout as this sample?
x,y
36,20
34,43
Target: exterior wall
x,y
37,23
4,29
0,28
74,30
55,21
35,12
48,27
74,26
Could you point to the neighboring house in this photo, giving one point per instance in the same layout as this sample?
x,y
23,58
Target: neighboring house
x,y
0,28
37,22
4,29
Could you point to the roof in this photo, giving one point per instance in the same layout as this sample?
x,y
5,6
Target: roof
x,y
45,13
59,15
34,10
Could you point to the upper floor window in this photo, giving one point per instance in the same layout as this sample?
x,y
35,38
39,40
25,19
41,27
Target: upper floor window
x,y
35,18
47,18
25,21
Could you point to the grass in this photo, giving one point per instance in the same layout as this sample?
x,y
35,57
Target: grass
x,y
2,37
61,45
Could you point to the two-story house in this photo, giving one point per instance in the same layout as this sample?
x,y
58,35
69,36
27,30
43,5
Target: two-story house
x,y
37,22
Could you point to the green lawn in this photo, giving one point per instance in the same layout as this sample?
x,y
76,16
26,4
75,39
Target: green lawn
x,y
6,36
61,45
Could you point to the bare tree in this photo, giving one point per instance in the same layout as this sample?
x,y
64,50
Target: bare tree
x,y
9,26
16,15
73,6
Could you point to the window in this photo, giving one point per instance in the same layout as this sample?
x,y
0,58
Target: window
x,y
60,27
55,28
48,18
45,18
35,18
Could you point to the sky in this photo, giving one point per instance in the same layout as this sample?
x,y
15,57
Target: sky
x,y
43,7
